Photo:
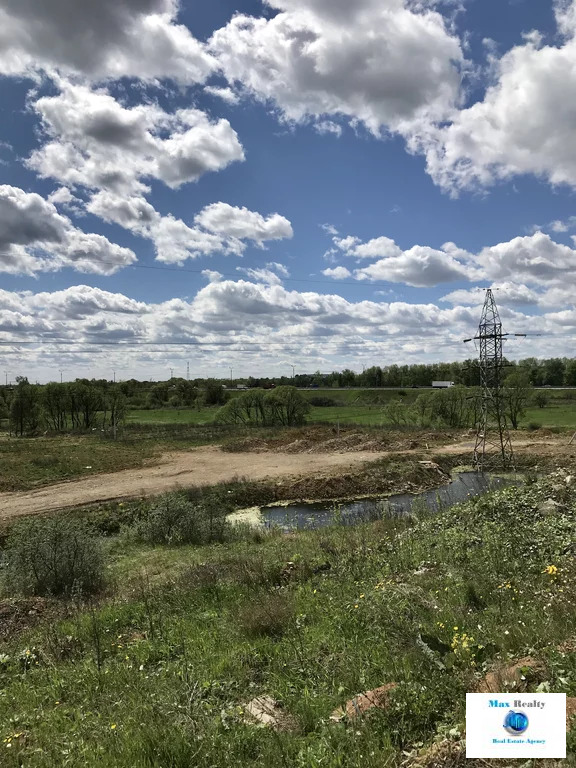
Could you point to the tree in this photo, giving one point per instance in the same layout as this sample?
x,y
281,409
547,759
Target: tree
x,y
214,393
453,407
541,399
86,402
516,394
116,403
570,374
249,409
26,413
286,406
553,372
55,400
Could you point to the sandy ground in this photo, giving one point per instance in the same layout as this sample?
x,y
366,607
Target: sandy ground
x,y
200,466
209,465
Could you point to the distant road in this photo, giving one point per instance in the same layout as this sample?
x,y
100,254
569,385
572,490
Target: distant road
x,y
378,389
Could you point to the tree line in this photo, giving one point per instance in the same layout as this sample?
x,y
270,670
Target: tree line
x,y
553,372
459,406
76,406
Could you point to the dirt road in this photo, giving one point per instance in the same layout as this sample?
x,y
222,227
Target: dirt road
x,y
201,466
210,465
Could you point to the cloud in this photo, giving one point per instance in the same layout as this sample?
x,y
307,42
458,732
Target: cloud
x,y
253,326
226,94
175,241
338,273
266,276
218,228
328,127
113,151
386,65
419,266
100,40
35,237
230,221
281,269
380,247
83,301
508,294
524,124
95,142
535,259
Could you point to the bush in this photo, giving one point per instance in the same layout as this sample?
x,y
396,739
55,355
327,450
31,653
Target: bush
x,y
269,617
53,556
533,426
176,520
322,402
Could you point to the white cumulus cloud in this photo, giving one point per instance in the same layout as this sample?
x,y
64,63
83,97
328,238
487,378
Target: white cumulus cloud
x,y
386,65
95,142
524,124
107,39
35,237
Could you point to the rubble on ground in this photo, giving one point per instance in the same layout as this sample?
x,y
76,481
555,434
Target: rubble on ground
x,y
378,698
264,711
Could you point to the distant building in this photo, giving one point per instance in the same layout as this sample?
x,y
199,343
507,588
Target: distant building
x,y
442,384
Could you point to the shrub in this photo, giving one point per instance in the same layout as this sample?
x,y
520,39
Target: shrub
x,y
53,556
322,402
175,520
533,426
269,617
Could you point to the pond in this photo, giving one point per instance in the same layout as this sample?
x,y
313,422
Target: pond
x,y
319,515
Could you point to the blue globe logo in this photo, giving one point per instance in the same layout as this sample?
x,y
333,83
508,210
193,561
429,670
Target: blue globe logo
x,y
515,723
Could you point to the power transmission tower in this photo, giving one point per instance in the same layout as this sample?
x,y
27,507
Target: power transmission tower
x,y
493,447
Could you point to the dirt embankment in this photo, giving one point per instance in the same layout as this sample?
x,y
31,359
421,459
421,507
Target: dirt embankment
x,y
304,457
201,466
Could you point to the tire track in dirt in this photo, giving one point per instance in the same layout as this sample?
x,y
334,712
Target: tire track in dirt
x,y
209,465
200,466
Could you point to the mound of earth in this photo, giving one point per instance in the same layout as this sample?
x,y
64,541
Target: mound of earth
x,y
345,440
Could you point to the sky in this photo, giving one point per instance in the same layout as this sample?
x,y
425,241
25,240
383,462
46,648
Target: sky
x,y
265,186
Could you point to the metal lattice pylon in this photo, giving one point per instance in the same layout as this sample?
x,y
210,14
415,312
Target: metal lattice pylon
x,y
493,447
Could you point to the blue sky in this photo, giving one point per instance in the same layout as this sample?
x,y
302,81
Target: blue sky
x,y
298,182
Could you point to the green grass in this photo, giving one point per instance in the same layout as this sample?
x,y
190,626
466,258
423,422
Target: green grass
x,y
367,415
172,416
562,415
156,674
29,462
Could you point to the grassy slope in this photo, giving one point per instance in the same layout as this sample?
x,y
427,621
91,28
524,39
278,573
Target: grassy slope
x,y
156,677
26,463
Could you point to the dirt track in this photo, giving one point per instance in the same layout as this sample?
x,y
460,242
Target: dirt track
x,y
201,466
210,465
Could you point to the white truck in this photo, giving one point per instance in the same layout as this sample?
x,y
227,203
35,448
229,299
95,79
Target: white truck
x,y
442,384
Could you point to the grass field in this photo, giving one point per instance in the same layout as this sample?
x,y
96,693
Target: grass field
x,y
27,463
157,673
555,414
552,416
172,416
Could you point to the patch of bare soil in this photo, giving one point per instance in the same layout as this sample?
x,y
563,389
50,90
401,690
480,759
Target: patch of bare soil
x,y
20,613
345,440
207,465
313,464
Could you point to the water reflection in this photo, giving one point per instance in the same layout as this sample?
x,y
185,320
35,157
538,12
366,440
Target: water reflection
x,y
307,516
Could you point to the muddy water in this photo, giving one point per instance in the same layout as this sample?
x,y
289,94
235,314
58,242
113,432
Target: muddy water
x,y
306,516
